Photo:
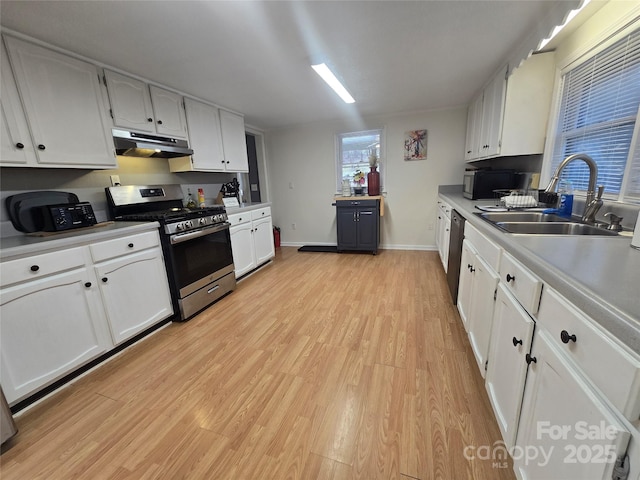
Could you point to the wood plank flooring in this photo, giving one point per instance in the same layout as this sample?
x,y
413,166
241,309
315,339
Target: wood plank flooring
x,y
319,366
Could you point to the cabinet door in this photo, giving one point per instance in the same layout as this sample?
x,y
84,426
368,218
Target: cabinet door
x,y
244,256
465,284
64,105
492,112
16,145
234,142
474,121
507,367
205,137
124,282
347,228
50,326
563,416
169,113
444,249
367,225
263,240
130,102
485,282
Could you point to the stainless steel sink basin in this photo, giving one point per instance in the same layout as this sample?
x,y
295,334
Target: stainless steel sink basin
x,y
495,217
538,223
553,228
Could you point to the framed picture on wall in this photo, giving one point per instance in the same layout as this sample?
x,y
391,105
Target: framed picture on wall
x,y
415,145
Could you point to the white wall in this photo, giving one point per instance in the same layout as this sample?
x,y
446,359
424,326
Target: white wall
x,y
304,158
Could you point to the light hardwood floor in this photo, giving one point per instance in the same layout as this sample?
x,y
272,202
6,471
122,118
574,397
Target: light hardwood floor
x,y
317,366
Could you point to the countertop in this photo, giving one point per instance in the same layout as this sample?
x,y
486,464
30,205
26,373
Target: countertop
x,y
247,207
599,275
28,245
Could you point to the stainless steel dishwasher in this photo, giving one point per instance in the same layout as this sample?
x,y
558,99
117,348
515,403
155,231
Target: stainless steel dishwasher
x,y
455,253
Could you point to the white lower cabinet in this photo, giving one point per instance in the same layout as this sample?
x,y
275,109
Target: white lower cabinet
x,y
50,326
565,424
60,310
124,282
511,337
251,239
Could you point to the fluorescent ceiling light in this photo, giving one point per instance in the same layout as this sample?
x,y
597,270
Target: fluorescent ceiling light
x,y
328,76
558,28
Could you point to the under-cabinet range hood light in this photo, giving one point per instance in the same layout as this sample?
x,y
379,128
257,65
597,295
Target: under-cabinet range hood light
x,y
133,144
328,76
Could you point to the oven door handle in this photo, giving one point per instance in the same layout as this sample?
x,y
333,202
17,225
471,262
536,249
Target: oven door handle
x,y
183,237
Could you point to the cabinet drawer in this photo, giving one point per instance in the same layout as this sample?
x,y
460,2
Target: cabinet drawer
x,y
260,213
356,203
122,246
489,251
15,271
239,218
524,285
607,363
444,207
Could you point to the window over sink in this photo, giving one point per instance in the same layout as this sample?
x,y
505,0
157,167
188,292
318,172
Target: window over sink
x,y
598,115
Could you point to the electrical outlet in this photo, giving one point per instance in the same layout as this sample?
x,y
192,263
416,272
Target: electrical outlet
x,y
115,180
293,226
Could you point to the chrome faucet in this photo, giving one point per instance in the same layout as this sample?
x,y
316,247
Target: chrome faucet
x,y
593,202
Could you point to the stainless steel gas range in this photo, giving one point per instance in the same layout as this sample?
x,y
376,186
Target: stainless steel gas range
x,y
195,242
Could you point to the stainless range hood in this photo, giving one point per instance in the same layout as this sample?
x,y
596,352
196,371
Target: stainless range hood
x,y
133,144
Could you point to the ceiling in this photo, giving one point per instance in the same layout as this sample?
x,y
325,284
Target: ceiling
x,y
254,57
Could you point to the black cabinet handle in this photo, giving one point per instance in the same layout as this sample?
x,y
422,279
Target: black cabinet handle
x,y
159,122
471,269
41,147
20,145
105,279
35,268
516,342
149,119
130,245
566,338
530,359
510,277
88,284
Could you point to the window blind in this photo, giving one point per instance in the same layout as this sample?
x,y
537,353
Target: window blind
x,y
598,113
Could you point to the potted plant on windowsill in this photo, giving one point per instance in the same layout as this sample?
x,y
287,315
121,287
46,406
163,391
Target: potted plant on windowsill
x,y
358,180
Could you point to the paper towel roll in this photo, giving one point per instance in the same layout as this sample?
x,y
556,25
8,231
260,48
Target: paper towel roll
x,y
635,242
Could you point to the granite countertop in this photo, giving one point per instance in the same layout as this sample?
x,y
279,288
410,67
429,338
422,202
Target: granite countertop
x,y
599,275
28,245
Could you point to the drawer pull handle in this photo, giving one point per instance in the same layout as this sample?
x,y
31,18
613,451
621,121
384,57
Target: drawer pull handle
x,y
41,147
471,269
105,279
159,122
566,338
130,245
88,284
35,268
510,277
516,342
20,145
530,359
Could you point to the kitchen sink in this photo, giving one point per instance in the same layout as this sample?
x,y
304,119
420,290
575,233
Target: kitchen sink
x,y
553,228
538,223
495,217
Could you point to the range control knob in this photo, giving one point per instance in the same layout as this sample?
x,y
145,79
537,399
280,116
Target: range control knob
x,y
178,227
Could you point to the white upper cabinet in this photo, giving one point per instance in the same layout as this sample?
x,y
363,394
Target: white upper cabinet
x,y
138,106
17,148
205,138
509,116
169,112
234,142
130,102
64,105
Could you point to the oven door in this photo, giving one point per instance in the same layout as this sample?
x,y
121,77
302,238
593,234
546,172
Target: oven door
x,y
200,257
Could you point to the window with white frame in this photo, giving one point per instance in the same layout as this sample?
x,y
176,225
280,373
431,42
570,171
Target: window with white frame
x,y
600,98
353,152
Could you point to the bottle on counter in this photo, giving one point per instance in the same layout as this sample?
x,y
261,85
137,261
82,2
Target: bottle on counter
x,y
190,202
565,194
201,198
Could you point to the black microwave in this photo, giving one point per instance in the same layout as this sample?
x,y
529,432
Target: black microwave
x,y
482,183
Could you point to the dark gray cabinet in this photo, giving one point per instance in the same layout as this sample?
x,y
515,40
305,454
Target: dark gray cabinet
x,y
358,225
